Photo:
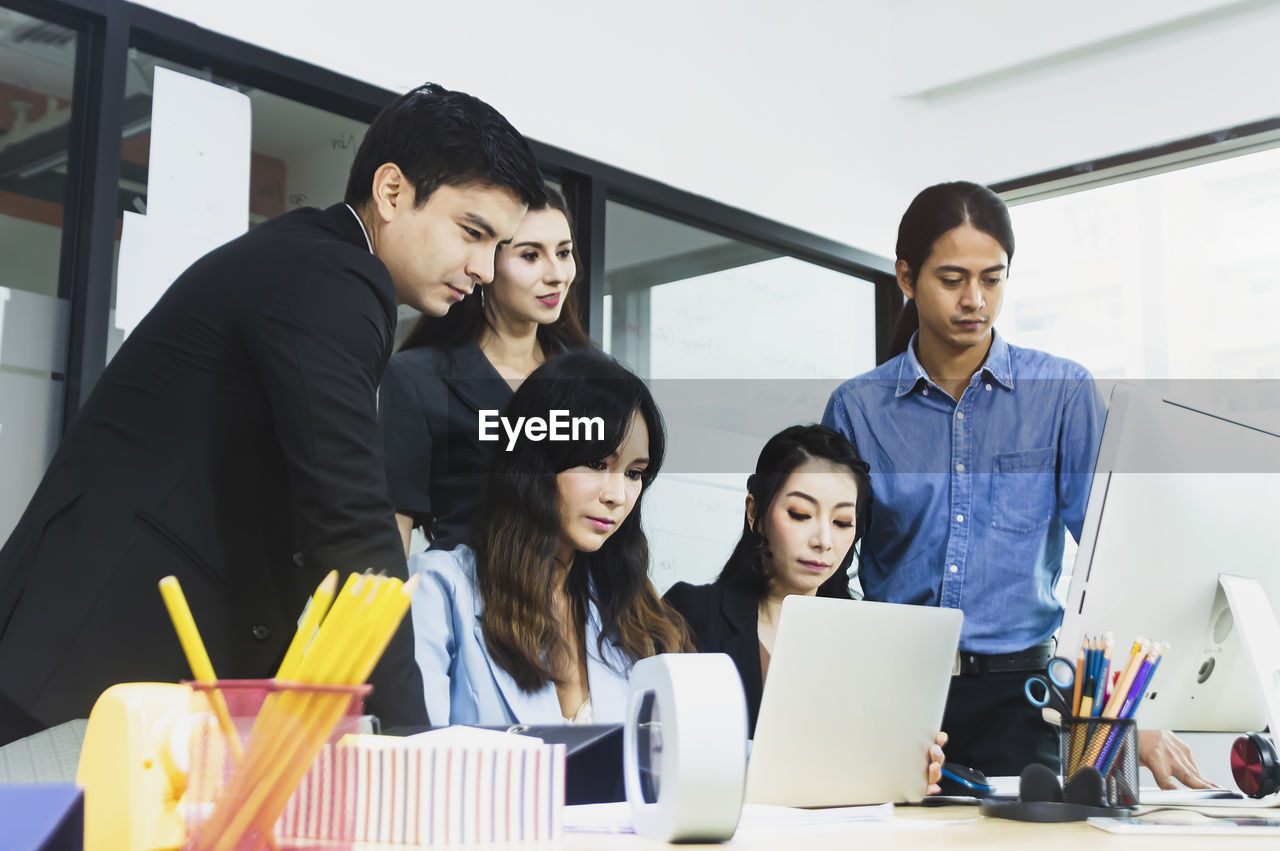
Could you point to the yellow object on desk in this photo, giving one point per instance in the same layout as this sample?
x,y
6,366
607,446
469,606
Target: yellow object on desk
x,y
134,764
132,783
293,725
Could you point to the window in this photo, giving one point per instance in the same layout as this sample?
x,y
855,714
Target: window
x,y
738,342
37,67
810,308
1170,278
1166,277
300,155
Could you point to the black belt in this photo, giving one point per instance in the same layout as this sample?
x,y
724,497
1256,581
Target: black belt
x,y
1032,659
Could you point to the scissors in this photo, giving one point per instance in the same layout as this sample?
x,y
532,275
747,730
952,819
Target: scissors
x,y
1052,690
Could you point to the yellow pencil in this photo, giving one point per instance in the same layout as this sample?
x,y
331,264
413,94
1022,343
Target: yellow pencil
x,y
273,719
345,649
1079,683
315,611
197,657
386,610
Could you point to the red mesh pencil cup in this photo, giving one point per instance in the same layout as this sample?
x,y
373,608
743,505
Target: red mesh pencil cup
x,y
288,781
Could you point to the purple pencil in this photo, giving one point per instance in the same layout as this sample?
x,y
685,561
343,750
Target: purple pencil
x,y
1130,706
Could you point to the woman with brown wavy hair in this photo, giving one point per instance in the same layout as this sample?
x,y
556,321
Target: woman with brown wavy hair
x,y
450,367
541,619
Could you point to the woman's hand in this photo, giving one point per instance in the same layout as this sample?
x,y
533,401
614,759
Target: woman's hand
x,y
1169,759
933,774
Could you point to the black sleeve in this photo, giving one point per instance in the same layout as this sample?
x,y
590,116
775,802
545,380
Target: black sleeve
x,y
318,344
406,435
691,601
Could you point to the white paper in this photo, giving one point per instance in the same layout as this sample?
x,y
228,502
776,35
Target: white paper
x,y
461,736
198,172
197,189
1188,822
152,254
33,330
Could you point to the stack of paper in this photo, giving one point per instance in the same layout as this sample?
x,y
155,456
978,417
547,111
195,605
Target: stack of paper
x,y
453,785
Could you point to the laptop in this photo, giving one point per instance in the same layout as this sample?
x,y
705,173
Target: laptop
x,y
853,699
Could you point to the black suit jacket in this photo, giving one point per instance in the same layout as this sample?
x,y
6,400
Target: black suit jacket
x,y
429,407
233,442
723,619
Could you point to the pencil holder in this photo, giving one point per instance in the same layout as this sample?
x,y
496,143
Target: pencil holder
x,y
1109,745
279,779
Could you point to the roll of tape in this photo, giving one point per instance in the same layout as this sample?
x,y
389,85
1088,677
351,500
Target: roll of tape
x,y
685,747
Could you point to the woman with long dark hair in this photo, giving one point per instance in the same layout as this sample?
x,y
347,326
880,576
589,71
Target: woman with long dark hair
x,y
542,617
808,505
452,367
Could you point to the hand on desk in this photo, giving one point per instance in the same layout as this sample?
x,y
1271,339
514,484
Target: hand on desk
x,y
936,757
1168,758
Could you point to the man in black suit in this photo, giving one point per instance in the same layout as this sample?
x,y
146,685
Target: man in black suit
x,y
233,441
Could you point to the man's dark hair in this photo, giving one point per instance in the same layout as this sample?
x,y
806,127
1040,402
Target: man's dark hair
x,y
935,211
443,138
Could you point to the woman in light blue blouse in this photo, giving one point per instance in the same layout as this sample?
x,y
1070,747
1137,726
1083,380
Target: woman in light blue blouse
x,y
542,617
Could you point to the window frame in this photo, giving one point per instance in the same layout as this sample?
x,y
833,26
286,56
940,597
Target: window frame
x,y
1144,162
108,29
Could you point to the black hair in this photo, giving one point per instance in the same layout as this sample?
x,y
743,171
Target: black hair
x,y
466,321
519,529
784,452
440,138
935,211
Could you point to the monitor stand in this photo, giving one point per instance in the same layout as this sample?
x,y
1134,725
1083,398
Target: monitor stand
x,y
1260,633
1255,622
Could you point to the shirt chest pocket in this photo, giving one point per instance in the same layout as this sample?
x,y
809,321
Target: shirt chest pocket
x,y
1023,492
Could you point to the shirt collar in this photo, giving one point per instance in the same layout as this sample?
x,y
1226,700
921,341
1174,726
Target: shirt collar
x,y
999,363
362,229
998,366
910,372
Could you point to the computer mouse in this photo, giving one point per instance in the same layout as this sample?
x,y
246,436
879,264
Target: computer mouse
x,y
963,780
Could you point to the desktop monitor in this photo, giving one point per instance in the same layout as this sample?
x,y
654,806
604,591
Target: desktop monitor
x,y
1179,496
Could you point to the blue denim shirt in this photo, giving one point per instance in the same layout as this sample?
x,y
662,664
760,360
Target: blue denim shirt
x,y
971,498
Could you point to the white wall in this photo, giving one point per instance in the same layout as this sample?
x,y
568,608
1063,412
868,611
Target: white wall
x,y
825,115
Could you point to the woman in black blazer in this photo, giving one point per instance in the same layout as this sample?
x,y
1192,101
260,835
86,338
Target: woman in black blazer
x,y
808,503
451,368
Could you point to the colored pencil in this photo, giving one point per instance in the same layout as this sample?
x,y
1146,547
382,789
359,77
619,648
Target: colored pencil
x,y
1130,706
1095,741
197,657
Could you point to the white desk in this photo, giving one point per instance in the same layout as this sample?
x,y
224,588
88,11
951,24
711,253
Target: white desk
x,y
974,831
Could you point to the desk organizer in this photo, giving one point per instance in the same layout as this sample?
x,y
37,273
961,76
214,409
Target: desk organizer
x,y
305,778
1108,744
439,788
237,791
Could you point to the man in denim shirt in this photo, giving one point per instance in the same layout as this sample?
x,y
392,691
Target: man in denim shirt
x,y
982,456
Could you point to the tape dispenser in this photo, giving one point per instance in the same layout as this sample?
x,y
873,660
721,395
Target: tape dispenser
x,y
685,747
134,765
